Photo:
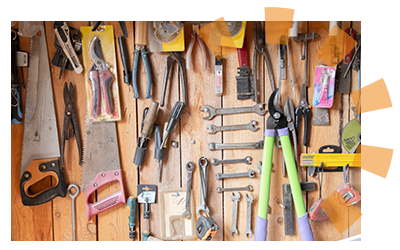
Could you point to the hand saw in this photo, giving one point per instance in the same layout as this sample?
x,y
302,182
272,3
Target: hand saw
x,y
101,165
40,148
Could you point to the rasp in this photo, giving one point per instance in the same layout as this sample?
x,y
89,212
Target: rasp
x,y
101,165
40,148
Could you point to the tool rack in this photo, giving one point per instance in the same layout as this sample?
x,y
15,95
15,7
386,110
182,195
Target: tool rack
x,y
52,221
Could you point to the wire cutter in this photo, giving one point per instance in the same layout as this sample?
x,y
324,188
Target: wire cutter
x,y
70,127
303,109
174,57
277,123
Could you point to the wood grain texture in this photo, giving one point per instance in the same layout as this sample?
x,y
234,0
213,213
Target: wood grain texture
x,y
52,221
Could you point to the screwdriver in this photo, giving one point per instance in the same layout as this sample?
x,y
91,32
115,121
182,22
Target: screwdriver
x,y
158,152
146,217
132,208
176,113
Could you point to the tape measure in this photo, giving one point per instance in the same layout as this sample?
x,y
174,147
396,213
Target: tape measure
x,y
206,227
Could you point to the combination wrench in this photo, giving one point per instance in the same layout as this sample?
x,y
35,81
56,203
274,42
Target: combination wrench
x,y
249,201
250,174
249,145
245,160
249,126
247,188
259,109
189,168
235,199
203,169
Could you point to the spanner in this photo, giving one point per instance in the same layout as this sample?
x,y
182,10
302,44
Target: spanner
x,y
203,169
212,112
249,145
249,201
249,174
247,188
189,168
246,160
235,199
250,126
73,196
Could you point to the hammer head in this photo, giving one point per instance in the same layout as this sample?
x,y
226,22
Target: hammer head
x,y
306,37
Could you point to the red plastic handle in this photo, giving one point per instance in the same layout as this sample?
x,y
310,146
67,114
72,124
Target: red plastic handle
x,y
106,80
242,55
108,202
94,79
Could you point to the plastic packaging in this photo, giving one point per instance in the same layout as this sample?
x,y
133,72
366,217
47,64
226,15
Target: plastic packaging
x,y
324,86
100,67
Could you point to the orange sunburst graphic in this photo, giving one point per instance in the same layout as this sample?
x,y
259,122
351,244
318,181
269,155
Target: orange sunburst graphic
x,y
378,92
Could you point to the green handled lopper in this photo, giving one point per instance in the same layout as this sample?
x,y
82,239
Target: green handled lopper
x,y
277,122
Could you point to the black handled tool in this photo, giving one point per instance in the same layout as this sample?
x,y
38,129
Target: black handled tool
x,y
158,149
124,59
176,113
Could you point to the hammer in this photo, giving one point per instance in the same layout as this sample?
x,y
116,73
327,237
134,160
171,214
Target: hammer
x,y
304,38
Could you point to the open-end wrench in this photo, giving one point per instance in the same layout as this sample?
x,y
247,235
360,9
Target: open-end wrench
x,y
235,199
203,169
73,196
189,168
249,201
245,160
249,174
250,126
212,112
247,188
249,145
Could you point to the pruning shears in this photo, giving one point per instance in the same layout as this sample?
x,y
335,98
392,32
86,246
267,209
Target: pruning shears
x,y
278,123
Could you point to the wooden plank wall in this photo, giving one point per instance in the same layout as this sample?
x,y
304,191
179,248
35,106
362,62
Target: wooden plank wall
x,y
52,221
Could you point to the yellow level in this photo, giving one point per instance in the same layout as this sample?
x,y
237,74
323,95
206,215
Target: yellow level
x,y
330,160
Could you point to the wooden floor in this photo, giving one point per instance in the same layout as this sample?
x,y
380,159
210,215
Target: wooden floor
x,y
52,221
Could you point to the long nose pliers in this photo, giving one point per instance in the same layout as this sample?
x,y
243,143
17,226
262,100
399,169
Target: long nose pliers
x,y
277,123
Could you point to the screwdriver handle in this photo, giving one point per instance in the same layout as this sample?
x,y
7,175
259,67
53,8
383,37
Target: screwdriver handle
x,y
176,113
132,209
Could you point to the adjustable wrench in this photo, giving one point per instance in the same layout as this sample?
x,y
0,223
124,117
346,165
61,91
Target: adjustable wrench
x,y
189,168
246,161
212,112
250,145
249,201
247,188
235,199
249,174
250,126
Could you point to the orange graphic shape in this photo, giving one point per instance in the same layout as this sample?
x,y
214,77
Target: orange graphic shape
x,y
376,160
376,96
278,22
342,217
336,46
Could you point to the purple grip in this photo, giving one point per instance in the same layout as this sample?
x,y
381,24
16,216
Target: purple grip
x,y
305,229
261,229
269,132
283,132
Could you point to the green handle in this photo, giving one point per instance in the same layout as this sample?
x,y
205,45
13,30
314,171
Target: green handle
x,y
132,209
145,236
265,177
292,174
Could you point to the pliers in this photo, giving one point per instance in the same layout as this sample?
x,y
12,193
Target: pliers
x,y
259,42
70,127
303,109
174,57
144,52
193,35
278,123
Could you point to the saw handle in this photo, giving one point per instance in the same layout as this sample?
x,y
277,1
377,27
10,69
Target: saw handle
x,y
37,171
108,202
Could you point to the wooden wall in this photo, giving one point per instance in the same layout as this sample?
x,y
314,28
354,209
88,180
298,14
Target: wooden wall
x,y
52,221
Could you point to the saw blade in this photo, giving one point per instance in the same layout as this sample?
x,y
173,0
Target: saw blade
x,y
40,138
100,151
